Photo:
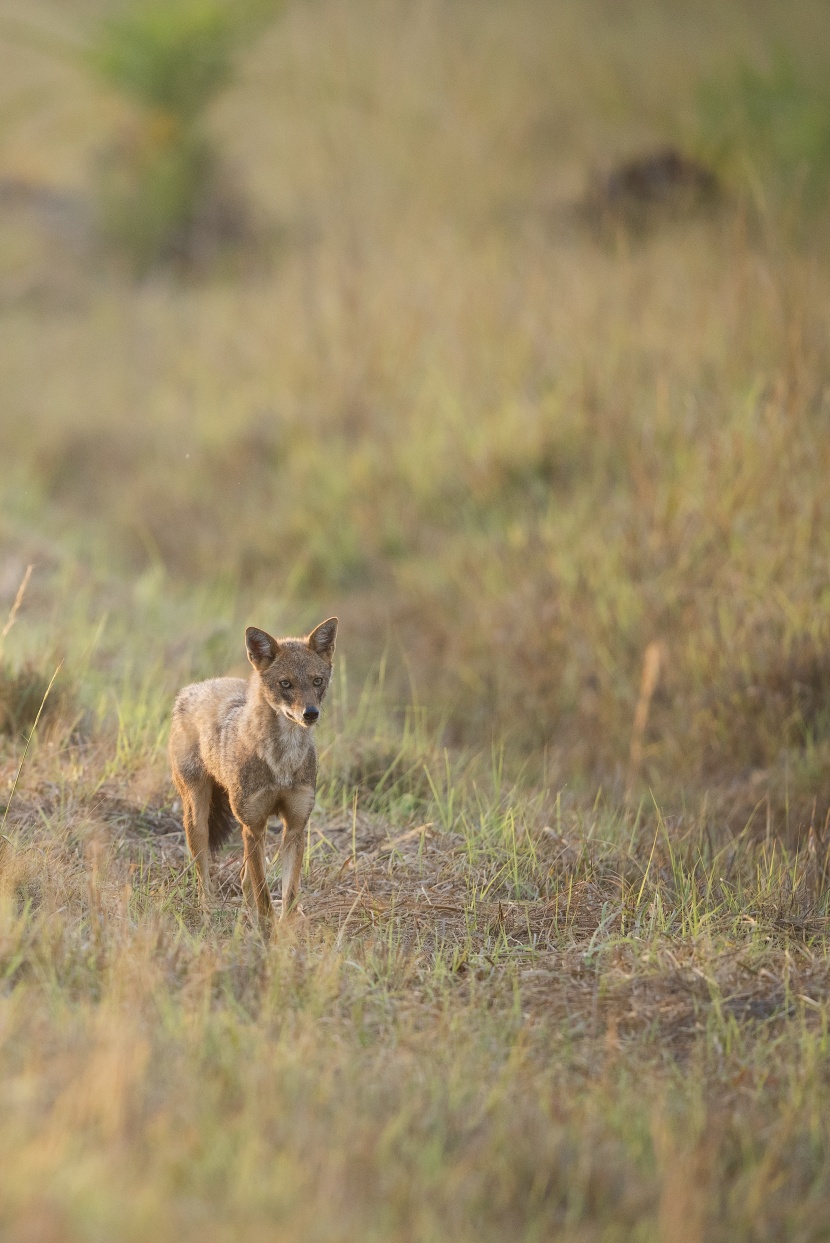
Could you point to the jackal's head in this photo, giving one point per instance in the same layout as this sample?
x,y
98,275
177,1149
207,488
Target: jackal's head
x,y
294,673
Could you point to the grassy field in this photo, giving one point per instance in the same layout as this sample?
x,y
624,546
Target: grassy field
x,y
563,969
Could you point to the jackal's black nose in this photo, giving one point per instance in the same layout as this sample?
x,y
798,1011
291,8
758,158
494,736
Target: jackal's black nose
x,y
310,714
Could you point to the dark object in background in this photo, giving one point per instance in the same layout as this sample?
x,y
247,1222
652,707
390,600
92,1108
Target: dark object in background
x,y
639,193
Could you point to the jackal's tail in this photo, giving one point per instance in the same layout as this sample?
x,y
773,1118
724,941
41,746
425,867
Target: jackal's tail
x,y
221,820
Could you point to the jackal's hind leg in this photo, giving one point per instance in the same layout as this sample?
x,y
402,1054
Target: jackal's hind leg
x,y
195,811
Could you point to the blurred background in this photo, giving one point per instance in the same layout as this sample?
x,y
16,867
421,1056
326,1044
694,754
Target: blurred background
x,y
499,329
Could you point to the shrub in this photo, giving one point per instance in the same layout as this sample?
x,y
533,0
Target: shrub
x,y
775,123
159,182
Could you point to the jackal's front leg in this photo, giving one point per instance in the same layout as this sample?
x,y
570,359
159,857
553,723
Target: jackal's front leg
x,y
254,882
295,810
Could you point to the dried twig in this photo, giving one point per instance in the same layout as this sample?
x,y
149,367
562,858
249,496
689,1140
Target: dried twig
x,y
652,661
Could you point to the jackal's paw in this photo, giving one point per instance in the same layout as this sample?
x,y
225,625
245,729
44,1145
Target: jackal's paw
x,y
295,912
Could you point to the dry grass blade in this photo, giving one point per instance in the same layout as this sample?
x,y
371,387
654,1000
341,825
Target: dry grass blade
x,y
15,608
342,930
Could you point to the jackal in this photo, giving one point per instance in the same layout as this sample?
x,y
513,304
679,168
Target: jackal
x,y
242,751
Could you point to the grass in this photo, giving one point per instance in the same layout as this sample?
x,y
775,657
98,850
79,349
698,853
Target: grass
x,y
563,970
612,1025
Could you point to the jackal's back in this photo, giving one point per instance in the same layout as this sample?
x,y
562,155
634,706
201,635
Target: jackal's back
x,y
205,723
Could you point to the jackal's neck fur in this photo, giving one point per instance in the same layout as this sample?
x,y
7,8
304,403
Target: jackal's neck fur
x,y
281,743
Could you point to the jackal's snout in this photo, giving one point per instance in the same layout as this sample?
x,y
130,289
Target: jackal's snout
x,y
311,714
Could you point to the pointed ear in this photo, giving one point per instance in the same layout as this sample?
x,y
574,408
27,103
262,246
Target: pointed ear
x,y
262,648
322,639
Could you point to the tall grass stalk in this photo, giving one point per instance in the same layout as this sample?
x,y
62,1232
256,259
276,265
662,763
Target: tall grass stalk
x,y
26,749
15,608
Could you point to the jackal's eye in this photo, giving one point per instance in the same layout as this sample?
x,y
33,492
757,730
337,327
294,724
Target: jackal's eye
x,y
318,681
285,684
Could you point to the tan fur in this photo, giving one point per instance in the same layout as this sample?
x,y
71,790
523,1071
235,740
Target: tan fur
x,y
243,749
